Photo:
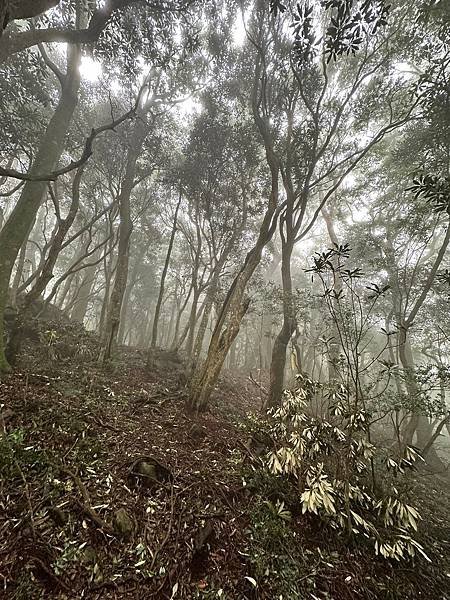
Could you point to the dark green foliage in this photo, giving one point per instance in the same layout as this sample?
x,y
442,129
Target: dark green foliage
x,y
435,190
275,552
16,458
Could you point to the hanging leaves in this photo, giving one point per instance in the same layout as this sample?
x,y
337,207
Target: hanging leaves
x,y
305,43
434,189
276,7
350,24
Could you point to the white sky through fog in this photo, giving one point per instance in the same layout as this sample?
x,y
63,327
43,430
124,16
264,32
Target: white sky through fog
x,y
238,31
90,69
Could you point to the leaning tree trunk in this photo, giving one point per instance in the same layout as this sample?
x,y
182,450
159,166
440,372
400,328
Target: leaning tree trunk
x,y
417,422
180,310
63,227
17,227
79,309
193,318
202,388
232,312
235,306
127,296
123,251
209,301
404,346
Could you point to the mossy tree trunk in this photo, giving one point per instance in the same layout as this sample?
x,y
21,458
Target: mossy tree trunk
x,y
233,310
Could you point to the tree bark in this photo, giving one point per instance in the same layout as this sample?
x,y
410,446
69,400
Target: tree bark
x,y
278,363
10,10
163,275
123,251
232,312
11,43
17,227
209,301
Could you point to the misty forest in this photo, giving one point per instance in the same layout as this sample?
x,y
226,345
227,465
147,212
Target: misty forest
x,y
225,299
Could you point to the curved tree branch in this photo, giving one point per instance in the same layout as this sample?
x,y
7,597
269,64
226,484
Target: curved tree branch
x,y
11,43
87,153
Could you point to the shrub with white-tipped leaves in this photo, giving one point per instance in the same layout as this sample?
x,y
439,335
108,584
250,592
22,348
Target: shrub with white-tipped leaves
x,y
331,463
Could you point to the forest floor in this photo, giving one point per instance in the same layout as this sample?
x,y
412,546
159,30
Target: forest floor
x,y
110,490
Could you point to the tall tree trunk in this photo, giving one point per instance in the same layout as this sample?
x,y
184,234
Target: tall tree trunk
x,y
235,305
123,251
175,342
65,291
16,229
163,275
288,327
108,269
129,289
232,312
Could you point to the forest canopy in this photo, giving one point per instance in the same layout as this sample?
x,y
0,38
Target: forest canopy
x,y
231,195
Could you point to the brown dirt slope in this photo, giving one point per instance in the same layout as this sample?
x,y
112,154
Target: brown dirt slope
x,y
110,490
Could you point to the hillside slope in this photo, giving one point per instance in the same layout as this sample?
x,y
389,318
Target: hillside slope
x,y
110,490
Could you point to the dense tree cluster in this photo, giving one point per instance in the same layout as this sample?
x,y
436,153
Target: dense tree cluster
x,y
168,169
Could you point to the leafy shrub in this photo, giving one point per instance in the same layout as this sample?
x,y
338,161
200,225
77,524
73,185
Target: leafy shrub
x,y
275,552
331,464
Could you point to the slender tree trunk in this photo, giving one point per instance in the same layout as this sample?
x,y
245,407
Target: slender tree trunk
x,y
278,363
175,341
126,299
166,340
192,319
108,274
80,307
232,313
16,229
125,231
63,227
209,301
194,316
20,263
429,444
65,291
163,275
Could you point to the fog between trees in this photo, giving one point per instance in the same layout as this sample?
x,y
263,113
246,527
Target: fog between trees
x,y
258,188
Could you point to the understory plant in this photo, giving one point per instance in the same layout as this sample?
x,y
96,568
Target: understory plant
x,y
319,439
331,464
